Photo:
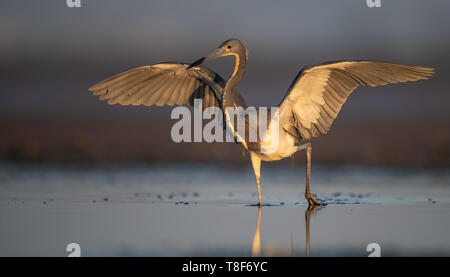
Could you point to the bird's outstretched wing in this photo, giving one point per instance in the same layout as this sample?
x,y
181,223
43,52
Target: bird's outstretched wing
x,y
317,94
163,84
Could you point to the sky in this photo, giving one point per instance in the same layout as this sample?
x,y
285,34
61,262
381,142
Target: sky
x,y
51,53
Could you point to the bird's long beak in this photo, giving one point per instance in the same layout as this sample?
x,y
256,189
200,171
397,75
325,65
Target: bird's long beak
x,y
215,54
198,62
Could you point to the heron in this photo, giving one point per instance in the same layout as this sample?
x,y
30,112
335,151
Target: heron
x,y
308,109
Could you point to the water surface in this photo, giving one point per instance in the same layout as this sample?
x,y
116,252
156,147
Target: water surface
x,y
205,210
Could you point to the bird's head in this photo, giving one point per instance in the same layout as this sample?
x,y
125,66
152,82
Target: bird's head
x,y
226,48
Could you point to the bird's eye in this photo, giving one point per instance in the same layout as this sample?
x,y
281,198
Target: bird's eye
x,y
229,47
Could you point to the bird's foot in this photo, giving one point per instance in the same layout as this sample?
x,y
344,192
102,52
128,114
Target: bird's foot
x,y
314,200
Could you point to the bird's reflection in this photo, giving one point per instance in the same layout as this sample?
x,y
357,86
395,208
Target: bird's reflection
x,y
256,244
311,210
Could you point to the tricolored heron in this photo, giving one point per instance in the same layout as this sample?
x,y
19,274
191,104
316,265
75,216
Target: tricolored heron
x,y
308,109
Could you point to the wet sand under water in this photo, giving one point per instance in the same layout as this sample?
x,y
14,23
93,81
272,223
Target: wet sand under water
x,y
205,210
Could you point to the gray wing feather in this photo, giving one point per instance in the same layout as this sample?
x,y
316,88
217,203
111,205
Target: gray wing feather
x,y
317,94
163,84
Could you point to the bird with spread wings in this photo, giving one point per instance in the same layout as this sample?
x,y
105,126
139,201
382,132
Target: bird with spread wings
x,y
307,110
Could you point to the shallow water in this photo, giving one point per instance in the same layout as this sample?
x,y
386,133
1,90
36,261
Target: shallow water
x,y
203,210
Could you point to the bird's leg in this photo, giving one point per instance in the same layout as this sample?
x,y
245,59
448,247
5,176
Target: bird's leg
x,y
256,163
311,198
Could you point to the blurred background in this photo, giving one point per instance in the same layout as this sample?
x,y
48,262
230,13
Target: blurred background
x,y
51,54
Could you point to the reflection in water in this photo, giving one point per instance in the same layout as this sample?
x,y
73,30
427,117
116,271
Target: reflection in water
x,y
311,210
256,245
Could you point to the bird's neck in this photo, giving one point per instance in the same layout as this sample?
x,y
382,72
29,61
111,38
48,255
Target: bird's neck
x,y
235,79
